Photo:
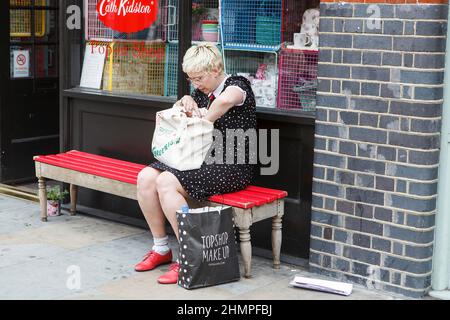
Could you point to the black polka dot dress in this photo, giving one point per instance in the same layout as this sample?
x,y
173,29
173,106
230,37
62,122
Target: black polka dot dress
x,y
212,179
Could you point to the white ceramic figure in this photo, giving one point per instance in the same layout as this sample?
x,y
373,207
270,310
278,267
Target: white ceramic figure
x,y
309,32
311,16
302,40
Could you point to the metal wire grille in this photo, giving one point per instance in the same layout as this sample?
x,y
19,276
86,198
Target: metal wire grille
x,y
250,24
25,2
260,68
298,79
171,70
201,10
135,67
20,19
95,30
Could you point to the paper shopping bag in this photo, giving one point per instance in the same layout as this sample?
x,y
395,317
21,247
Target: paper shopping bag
x,y
208,248
179,141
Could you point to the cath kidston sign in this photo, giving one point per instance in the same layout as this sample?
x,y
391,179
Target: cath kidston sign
x,y
127,15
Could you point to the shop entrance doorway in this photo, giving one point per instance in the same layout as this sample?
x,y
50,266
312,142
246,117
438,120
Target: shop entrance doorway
x,y
29,88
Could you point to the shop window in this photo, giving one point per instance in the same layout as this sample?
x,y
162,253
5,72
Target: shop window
x,y
260,68
254,25
298,79
205,20
135,62
256,38
258,42
33,38
171,70
135,67
95,28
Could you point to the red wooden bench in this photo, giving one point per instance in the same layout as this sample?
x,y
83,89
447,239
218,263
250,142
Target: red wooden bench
x,y
119,178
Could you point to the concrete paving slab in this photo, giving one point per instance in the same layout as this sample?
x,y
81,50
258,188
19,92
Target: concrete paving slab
x,y
13,254
85,258
281,290
21,218
76,232
7,203
58,276
144,286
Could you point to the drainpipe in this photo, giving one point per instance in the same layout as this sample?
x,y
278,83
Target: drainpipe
x,y
441,258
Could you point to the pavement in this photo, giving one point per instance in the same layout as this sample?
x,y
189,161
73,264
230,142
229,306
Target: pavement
x,y
86,258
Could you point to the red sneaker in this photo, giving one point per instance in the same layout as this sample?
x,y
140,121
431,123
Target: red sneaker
x,y
170,276
152,260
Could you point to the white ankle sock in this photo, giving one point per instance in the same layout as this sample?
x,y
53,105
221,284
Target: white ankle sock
x,y
161,245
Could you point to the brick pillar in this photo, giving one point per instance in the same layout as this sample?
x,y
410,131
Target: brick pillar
x,y
376,143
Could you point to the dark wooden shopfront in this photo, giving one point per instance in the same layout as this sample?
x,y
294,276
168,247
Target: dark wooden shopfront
x,y
29,86
121,126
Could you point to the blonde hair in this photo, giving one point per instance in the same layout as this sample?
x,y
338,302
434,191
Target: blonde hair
x,y
203,57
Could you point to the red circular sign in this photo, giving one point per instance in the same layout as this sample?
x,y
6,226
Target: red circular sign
x,y
21,60
127,15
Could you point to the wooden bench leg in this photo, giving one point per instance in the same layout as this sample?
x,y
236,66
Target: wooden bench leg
x,y
43,198
73,199
276,234
276,241
246,250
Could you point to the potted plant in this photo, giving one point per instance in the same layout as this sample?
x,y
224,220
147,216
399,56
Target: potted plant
x,y
198,11
54,198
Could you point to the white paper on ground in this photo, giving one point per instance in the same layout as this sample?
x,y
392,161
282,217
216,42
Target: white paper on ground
x,y
323,285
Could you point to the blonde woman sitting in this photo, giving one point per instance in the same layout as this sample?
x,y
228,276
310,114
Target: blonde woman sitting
x,y
162,190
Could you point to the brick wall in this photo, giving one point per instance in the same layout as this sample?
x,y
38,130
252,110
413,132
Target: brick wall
x,y
376,143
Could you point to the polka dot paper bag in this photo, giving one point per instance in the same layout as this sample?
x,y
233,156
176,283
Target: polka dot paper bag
x,y
208,249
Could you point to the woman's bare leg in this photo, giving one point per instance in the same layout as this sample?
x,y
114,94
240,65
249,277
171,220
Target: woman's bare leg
x,y
149,201
171,196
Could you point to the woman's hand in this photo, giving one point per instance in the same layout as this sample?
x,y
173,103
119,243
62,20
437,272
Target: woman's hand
x,y
189,106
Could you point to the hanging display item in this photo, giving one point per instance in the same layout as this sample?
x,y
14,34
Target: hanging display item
x,y
127,16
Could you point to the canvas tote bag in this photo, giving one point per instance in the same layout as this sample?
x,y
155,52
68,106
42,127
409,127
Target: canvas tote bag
x,y
179,141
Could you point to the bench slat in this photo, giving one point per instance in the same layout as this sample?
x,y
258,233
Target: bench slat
x,y
127,172
239,203
105,159
242,199
246,199
108,175
82,162
279,193
265,197
94,168
104,162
